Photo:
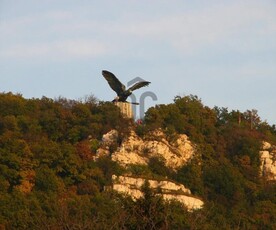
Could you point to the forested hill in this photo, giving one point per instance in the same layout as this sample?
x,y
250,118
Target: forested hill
x,y
50,180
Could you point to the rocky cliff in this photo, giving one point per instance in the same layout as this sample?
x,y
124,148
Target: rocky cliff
x,y
135,150
268,161
167,189
175,153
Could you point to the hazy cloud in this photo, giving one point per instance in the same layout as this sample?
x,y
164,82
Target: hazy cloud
x,y
66,49
218,24
233,24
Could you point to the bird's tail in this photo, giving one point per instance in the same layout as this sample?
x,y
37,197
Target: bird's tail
x,y
133,103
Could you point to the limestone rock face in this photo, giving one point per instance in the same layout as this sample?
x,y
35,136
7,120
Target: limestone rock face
x,y
110,137
168,190
268,161
107,140
135,150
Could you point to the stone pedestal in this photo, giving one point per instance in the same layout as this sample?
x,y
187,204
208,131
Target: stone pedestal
x,y
126,109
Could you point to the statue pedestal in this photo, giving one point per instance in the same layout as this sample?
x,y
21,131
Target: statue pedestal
x,y
126,109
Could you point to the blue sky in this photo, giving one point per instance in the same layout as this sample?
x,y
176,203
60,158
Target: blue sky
x,y
222,51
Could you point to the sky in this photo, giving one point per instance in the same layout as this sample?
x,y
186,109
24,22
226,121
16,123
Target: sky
x,y
223,51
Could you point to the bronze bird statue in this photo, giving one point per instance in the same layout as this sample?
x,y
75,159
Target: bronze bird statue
x,y
120,89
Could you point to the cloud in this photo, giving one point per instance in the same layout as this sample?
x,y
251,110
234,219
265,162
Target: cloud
x,y
225,24
257,70
54,35
66,49
30,23
230,25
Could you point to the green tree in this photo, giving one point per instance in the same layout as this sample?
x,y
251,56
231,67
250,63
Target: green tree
x,y
46,180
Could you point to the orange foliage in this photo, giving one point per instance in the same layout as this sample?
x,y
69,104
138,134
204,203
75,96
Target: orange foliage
x,y
84,150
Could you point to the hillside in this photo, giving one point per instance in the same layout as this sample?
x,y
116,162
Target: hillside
x,y
59,170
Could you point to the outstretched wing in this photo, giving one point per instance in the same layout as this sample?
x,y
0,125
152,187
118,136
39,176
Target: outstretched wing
x,y
113,82
139,85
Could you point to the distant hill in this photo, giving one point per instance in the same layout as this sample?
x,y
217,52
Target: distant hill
x,y
52,175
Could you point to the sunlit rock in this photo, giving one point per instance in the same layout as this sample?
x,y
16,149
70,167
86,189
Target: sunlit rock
x,y
135,150
168,190
268,161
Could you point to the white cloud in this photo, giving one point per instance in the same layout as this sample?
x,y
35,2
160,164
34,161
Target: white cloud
x,y
263,71
25,24
235,25
216,25
67,49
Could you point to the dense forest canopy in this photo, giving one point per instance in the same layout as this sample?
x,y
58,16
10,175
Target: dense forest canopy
x,y
49,180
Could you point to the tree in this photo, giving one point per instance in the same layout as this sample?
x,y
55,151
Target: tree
x,y
46,180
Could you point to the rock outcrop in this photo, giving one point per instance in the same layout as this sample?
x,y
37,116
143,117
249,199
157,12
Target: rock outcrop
x,y
108,139
135,150
168,190
268,161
